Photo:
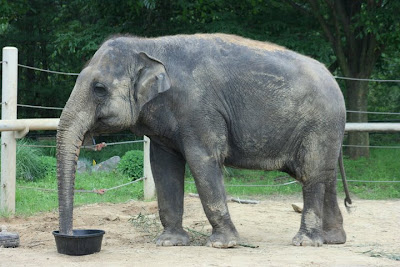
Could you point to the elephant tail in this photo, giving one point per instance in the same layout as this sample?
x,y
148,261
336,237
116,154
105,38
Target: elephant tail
x,y
347,200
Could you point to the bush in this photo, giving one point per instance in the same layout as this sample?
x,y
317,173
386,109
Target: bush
x,y
49,164
131,164
29,164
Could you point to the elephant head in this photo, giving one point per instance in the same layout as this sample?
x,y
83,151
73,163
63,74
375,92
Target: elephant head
x,y
108,96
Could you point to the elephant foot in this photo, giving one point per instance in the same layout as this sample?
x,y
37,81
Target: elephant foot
x,y
334,236
173,238
223,240
304,239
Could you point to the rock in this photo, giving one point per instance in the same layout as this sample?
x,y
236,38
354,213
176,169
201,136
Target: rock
x,y
81,167
108,165
297,208
112,218
8,240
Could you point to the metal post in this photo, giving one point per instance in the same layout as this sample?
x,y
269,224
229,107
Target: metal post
x,y
149,187
8,142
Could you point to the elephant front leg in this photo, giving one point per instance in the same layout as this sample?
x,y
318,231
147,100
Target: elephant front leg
x,y
168,170
311,232
209,181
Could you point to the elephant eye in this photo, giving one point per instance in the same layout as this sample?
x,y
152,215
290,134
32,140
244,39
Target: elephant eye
x,y
100,90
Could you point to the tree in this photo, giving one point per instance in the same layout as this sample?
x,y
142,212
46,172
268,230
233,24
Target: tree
x,y
63,35
358,31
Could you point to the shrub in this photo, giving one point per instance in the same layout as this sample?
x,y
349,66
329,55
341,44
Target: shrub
x,y
49,164
29,164
131,164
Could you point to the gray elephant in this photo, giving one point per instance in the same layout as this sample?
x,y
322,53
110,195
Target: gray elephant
x,y
209,100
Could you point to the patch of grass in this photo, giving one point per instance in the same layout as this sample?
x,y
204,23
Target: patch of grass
x,y
382,254
383,165
29,164
149,224
254,183
30,201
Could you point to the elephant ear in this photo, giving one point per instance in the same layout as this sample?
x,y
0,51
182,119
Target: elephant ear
x,y
153,80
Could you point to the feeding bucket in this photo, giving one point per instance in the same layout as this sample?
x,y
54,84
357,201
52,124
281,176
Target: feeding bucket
x,y
82,242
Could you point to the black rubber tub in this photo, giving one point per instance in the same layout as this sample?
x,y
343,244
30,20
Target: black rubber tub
x,y
82,242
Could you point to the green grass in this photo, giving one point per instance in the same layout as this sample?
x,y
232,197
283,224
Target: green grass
x,y
383,165
30,201
243,183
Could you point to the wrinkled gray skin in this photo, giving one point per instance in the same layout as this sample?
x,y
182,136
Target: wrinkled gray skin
x,y
209,101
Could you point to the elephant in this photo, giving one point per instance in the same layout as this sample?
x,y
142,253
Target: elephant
x,y
207,101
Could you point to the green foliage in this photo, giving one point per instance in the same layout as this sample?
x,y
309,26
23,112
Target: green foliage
x,y
30,165
383,165
49,165
65,34
110,151
131,164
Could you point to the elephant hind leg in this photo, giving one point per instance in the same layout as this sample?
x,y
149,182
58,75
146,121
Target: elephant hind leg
x,y
333,231
310,232
322,221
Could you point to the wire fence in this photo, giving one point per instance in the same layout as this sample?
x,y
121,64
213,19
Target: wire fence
x,y
373,112
87,147
336,77
96,191
366,80
49,71
38,107
102,191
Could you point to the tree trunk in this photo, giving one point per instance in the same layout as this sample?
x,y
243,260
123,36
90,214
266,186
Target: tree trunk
x,y
357,100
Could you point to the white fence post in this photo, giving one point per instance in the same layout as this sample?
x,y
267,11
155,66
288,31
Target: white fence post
x,y
8,142
149,187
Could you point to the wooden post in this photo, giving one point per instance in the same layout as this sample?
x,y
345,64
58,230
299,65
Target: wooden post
x,y
8,142
149,187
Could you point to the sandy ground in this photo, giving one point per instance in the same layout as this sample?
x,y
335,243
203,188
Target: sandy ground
x,y
373,237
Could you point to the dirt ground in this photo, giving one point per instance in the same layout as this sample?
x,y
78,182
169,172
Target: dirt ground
x,y
373,237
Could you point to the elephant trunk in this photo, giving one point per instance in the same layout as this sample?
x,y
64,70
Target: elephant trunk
x,y
70,135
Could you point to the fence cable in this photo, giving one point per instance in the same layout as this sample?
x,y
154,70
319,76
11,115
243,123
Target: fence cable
x,y
90,147
260,185
40,146
386,147
336,77
38,107
294,182
373,112
349,111
49,71
366,80
371,181
97,191
118,143
143,141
